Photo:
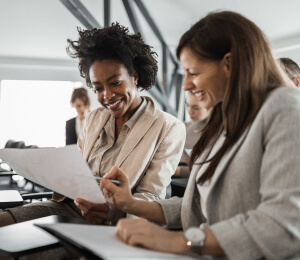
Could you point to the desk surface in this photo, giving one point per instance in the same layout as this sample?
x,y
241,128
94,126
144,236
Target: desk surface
x,y
25,238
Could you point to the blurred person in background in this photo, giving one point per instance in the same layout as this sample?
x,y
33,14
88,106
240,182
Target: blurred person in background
x,y
81,102
198,116
292,70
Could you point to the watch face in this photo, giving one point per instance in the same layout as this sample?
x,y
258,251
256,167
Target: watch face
x,y
194,234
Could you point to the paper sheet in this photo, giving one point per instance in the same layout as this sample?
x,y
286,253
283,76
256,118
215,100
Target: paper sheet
x,y
188,151
103,242
60,169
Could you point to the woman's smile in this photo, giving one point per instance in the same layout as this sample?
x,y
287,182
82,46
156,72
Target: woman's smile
x,y
114,105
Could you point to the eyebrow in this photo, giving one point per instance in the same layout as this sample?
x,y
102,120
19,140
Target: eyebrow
x,y
110,78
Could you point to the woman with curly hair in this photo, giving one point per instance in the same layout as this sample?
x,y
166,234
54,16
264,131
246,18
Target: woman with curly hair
x,y
127,130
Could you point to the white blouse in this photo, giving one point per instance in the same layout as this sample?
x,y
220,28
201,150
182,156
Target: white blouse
x,y
205,188
78,125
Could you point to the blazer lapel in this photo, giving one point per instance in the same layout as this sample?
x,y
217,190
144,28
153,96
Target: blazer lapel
x,y
223,164
191,213
94,132
138,131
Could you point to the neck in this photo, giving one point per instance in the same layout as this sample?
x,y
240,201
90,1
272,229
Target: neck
x,y
120,121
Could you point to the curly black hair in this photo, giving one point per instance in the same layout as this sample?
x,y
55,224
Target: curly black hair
x,y
114,42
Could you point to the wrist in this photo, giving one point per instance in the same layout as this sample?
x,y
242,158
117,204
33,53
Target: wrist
x,y
130,206
195,238
181,244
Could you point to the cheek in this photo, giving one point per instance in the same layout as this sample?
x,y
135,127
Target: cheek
x,y
100,97
190,111
219,91
201,82
132,89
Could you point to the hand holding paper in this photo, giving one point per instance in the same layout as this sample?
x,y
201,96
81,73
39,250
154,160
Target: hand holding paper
x,y
60,169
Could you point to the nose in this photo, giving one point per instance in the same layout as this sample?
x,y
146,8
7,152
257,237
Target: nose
x,y
108,93
187,84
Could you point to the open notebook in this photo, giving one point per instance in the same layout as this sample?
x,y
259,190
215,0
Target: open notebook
x,y
100,242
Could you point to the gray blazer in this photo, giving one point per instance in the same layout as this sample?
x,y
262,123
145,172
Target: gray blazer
x,y
254,207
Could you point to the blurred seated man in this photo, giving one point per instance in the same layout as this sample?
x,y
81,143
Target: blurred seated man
x,y
292,70
198,117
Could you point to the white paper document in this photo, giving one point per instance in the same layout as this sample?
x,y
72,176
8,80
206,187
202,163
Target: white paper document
x,y
102,242
60,169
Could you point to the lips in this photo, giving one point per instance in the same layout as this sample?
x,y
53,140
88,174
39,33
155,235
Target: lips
x,y
113,105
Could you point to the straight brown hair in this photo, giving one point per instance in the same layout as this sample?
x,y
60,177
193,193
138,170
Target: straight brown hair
x,y
254,73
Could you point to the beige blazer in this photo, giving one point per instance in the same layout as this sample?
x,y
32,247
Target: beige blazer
x,y
150,153
253,208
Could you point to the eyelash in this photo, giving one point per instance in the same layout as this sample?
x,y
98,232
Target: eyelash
x,y
97,90
114,84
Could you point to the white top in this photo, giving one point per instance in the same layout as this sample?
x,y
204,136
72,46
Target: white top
x,y
206,187
78,126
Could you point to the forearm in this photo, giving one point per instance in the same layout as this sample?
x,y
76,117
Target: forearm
x,y
149,210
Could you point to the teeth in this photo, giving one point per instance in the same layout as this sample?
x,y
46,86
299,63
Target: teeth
x,y
200,93
114,104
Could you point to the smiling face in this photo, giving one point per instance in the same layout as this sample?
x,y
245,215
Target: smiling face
x,y
206,79
193,106
116,89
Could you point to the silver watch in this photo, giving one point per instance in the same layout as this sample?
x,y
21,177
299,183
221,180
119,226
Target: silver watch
x,y
195,239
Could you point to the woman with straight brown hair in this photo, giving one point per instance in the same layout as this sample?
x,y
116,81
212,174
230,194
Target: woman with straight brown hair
x,y
243,196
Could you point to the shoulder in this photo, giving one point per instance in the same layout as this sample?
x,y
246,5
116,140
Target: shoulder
x,y
98,112
189,123
284,96
283,100
161,116
71,121
281,108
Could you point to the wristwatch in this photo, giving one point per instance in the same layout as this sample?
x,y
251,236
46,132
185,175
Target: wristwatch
x,y
195,239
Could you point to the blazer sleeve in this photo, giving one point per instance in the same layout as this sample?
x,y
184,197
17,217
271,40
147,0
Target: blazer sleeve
x,y
163,164
272,230
172,209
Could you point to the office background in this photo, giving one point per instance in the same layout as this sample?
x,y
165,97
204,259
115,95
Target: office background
x,y
33,42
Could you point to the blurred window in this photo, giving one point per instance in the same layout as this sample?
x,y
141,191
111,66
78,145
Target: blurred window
x,y
35,111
